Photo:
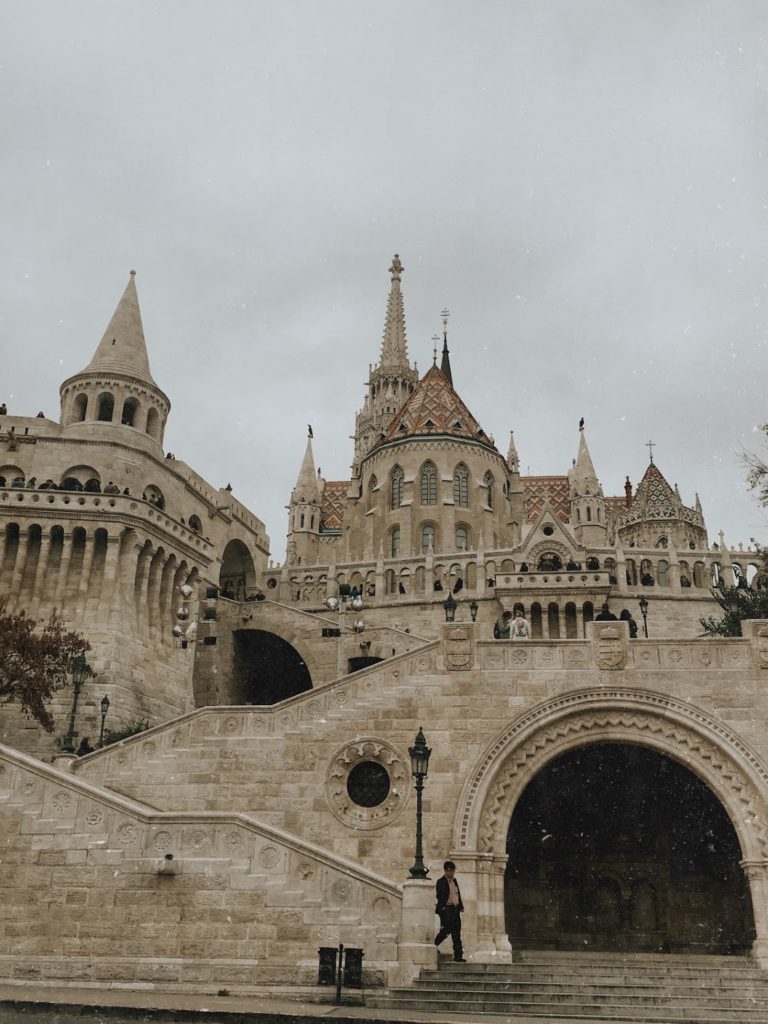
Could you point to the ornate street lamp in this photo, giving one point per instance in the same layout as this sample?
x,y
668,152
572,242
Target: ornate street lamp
x,y
473,606
80,672
644,613
449,606
419,764
104,710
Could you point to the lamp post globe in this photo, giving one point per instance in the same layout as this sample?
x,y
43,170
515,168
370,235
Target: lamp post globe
x,y
419,754
80,672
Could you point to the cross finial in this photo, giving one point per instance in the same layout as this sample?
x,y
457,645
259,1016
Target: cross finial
x,y
435,340
445,313
397,268
651,445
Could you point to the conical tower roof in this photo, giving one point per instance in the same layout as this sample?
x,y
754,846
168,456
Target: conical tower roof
x,y
583,477
435,408
394,348
307,488
123,349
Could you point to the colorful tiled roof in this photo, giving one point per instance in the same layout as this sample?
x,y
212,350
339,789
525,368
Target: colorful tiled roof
x,y
538,490
334,504
435,408
653,489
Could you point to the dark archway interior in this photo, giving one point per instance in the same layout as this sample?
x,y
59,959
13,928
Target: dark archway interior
x,y
267,669
617,847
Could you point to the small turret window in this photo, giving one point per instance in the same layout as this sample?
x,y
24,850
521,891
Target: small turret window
x,y
130,408
106,408
429,484
80,408
195,525
428,538
153,420
394,542
462,538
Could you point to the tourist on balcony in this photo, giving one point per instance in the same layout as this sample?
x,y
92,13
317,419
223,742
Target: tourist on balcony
x,y
520,628
605,614
502,626
626,616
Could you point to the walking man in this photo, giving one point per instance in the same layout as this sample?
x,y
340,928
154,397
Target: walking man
x,y
449,908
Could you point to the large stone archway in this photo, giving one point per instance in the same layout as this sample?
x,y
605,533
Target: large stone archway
x,y
732,771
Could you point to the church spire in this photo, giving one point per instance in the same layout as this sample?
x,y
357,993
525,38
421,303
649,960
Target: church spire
x,y
583,471
513,460
445,365
394,349
122,348
307,482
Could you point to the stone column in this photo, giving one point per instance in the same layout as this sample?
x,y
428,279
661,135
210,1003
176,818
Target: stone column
x,y
21,561
498,867
61,583
416,947
87,567
621,571
110,584
757,876
41,570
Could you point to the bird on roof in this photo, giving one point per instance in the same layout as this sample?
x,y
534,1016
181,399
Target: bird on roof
x,y
581,423
309,428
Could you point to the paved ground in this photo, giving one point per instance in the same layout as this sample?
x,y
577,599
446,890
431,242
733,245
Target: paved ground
x,y
26,1005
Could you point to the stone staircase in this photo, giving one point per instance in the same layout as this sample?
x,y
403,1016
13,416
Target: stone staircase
x,y
592,986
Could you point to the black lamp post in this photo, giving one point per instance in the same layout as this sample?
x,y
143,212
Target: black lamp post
x,y
104,710
449,606
419,764
473,606
80,672
644,613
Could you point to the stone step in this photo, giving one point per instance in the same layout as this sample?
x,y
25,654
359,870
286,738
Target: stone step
x,y
712,990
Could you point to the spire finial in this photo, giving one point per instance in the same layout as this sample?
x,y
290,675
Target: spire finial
x,y
651,445
397,268
133,273
445,313
435,339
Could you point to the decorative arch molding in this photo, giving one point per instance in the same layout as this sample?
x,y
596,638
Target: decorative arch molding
x,y
549,544
734,772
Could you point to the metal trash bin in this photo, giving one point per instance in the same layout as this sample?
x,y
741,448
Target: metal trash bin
x,y
326,967
353,967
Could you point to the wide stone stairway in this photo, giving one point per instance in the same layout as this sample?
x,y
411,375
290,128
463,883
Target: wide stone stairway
x,y
589,986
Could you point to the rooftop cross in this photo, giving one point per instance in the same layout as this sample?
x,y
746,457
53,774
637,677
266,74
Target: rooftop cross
x,y
651,445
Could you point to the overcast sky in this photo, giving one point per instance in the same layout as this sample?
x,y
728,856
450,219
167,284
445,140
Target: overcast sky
x,y
583,184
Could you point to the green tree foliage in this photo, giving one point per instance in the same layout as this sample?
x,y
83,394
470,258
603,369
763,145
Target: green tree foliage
x,y
35,659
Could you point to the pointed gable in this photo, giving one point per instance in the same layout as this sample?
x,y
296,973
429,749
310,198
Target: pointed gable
x,y
653,489
435,408
123,349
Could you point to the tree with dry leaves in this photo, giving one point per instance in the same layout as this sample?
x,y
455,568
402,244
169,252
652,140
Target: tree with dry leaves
x,y
35,658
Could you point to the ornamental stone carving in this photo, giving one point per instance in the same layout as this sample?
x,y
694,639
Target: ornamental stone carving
x,y
458,649
611,650
386,802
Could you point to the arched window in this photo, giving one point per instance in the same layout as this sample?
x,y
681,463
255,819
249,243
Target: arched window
x,y
106,408
80,408
428,485
195,525
488,484
462,538
461,486
428,537
153,422
662,572
396,482
394,542
130,408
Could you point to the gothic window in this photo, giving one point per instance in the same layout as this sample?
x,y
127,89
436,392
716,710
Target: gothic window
x,y
394,542
429,484
662,571
130,408
462,538
589,514
81,406
397,487
461,486
488,484
428,537
301,521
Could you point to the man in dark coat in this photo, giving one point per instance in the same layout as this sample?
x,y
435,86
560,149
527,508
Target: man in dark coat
x,y
449,908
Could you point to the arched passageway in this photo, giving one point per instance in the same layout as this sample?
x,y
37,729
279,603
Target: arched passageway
x,y
614,846
267,669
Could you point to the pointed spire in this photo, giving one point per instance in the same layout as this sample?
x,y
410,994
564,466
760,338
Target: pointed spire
x,y
123,349
307,486
445,365
583,470
394,348
513,460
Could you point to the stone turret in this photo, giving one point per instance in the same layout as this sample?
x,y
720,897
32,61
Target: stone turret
x,y
587,500
115,397
393,378
304,512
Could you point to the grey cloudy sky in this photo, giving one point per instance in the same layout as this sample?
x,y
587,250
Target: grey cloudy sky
x,y
583,184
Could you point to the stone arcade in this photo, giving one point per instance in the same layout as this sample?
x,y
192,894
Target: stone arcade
x,y
595,792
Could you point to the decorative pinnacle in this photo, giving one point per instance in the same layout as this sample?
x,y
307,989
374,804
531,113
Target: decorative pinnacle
x,y
397,268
